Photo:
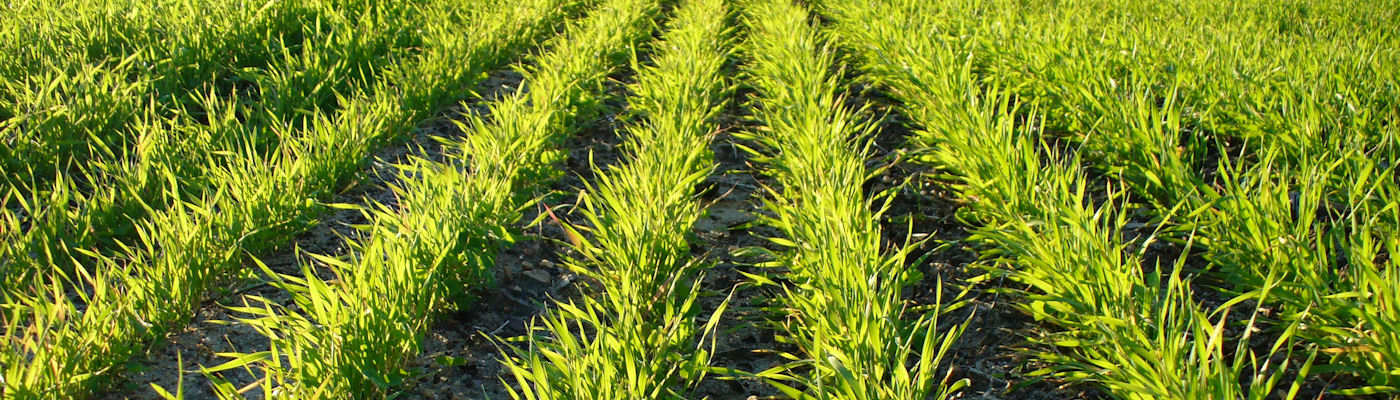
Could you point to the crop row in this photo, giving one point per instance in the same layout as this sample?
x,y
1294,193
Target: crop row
x,y
60,342
841,305
1198,199
638,337
1297,205
80,78
1306,200
452,217
165,158
1130,327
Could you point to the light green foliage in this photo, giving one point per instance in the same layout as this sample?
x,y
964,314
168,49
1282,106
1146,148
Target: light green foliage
x,y
158,158
60,345
1260,130
847,316
150,151
75,83
639,337
1121,325
353,337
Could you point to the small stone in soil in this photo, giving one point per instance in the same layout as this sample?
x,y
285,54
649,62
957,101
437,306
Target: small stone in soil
x,y
538,275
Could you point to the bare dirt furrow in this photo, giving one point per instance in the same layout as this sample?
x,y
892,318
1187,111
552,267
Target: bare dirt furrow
x,y
745,343
461,357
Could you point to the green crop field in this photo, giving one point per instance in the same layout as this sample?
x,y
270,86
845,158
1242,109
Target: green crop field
x,y
699,199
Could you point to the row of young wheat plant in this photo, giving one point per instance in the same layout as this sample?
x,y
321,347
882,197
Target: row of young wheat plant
x,y
169,157
67,118
1134,329
80,77
66,344
439,245
1299,194
641,336
841,301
